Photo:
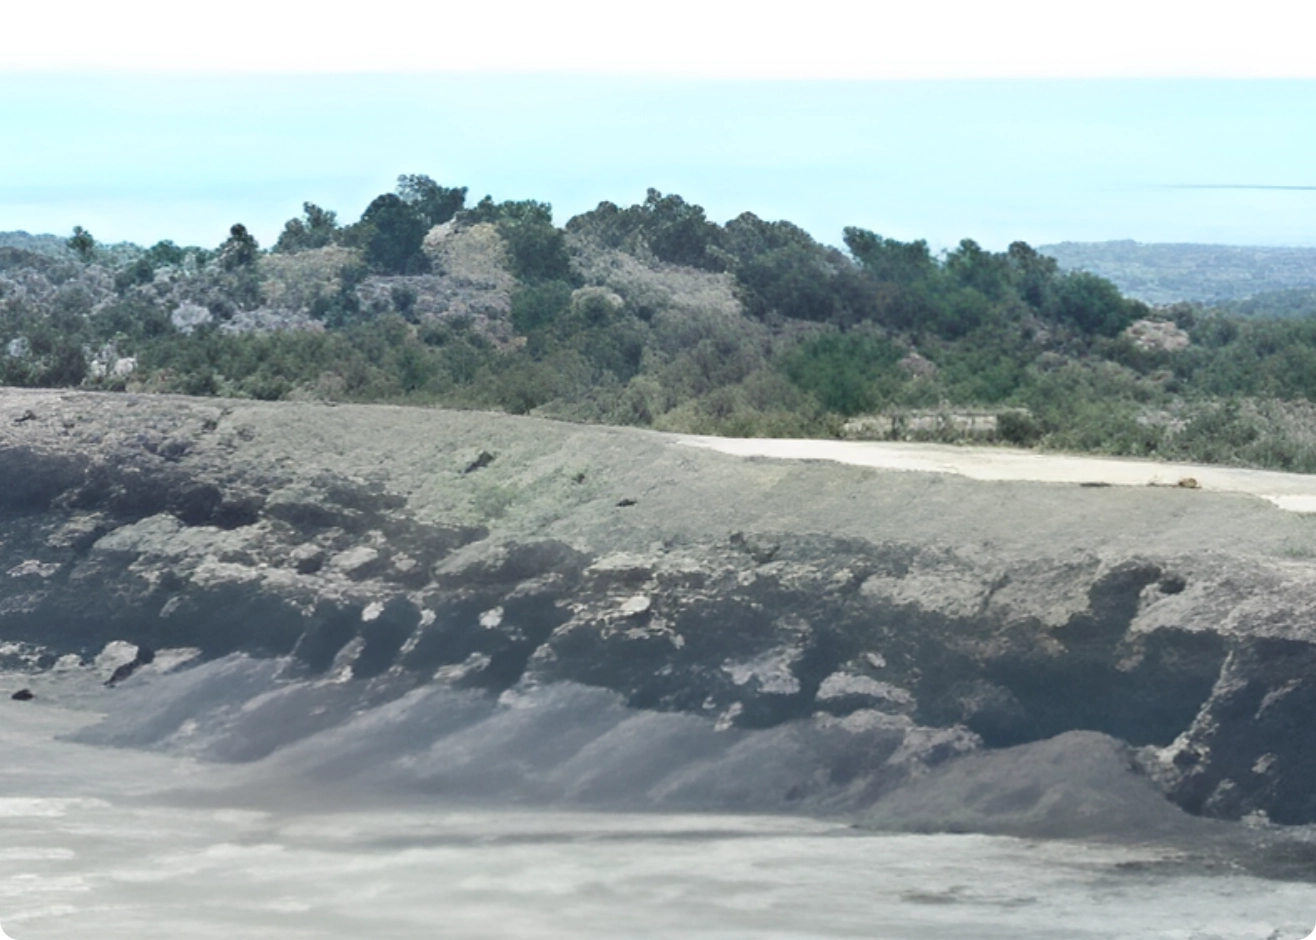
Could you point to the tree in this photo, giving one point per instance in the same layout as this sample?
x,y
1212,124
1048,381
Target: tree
x,y
887,259
678,232
318,228
391,232
83,245
486,210
747,236
793,281
1033,273
670,228
537,249
239,249
606,224
142,270
67,364
436,204
1093,304
984,271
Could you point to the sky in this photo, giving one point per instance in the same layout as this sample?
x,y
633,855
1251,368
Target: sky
x,y
1157,120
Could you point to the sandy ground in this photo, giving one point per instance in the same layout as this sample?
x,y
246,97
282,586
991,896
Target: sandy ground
x,y
1294,492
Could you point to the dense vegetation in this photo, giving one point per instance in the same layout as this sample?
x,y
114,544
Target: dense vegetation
x,y
655,315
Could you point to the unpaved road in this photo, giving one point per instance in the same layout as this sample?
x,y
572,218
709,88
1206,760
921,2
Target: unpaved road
x,y
1295,492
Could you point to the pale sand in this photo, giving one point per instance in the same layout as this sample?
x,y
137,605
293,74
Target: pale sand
x,y
1295,492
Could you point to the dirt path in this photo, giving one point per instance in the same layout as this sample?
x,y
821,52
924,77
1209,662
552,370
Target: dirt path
x,y
1295,492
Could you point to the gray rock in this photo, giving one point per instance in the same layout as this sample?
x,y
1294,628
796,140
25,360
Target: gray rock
x,y
850,629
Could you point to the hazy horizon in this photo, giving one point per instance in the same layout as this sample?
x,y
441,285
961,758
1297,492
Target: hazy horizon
x,y
148,157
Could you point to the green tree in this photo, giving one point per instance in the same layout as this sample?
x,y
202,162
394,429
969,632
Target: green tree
x,y
792,281
747,236
83,245
316,229
67,364
436,204
889,260
142,270
1034,274
667,227
1093,304
239,250
537,307
391,232
678,231
969,265
537,249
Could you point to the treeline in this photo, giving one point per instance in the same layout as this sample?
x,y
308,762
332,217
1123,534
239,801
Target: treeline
x,y
654,315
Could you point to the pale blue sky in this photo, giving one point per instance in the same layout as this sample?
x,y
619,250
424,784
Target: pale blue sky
x,y
147,157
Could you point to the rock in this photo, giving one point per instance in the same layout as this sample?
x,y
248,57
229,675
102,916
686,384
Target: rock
x,y
307,558
845,692
761,550
23,695
143,656
357,562
1077,785
1157,335
918,366
187,316
480,462
636,606
924,616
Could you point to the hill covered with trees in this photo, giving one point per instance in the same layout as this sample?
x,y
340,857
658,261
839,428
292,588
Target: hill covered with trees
x,y
654,315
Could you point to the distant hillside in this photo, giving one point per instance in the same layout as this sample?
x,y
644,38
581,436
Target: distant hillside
x,y
50,245
1162,274
1298,302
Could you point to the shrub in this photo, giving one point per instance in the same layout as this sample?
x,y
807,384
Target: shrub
x,y
537,307
848,373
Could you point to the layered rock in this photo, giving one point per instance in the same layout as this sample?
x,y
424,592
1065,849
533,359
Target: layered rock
x,y
876,624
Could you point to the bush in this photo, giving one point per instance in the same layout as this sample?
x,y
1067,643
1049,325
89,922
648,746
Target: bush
x,y
539,306
1093,304
1017,427
848,373
537,251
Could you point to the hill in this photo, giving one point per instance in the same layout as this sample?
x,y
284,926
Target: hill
x,y
655,316
1169,273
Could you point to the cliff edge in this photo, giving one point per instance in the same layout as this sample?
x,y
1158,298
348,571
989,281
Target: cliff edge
x,y
703,629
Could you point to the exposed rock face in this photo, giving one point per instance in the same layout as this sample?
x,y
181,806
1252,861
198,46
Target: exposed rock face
x,y
1157,336
883,622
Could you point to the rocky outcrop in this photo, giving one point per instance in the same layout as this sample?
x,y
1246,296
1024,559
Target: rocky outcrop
x,y
874,625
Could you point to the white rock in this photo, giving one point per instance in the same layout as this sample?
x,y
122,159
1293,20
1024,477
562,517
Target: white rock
x,y
633,606
354,559
115,654
187,316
